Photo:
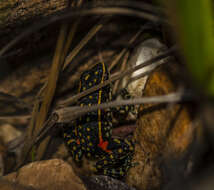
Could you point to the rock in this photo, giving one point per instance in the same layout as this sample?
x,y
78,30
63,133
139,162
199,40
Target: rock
x,y
8,133
147,50
8,185
164,136
104,183
49,175
3,152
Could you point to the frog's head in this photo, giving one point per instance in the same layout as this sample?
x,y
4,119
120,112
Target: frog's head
x,y
94,76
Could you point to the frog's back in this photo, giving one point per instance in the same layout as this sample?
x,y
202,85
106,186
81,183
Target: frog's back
x,y
94,125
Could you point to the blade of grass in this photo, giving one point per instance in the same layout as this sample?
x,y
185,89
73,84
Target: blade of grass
x,y
50,89
193,23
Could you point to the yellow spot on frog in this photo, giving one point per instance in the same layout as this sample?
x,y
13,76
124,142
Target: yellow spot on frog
x,y
105,162
74,147
117,141
89,154
82,140
95,80
70,141
90,97
86,77
90,144
96,72
90,84
88,129
88,137
127,108
120,150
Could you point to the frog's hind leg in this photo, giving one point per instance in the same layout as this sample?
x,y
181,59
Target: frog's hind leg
x,y
118,161
73,143
121,171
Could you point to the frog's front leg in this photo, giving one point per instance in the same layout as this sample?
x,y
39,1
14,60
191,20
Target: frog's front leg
x,y
118,161
73,143
122,111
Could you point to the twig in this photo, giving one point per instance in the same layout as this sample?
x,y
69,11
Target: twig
x,y
118,57
68,114
82,43
116,77
71,13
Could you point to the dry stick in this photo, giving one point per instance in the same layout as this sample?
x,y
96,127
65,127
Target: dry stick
x,y
76,50
133,4
122,69
68,114
50,89
8,117
75,112
70,39
118,57
116,77
49,93
71,13
82,43
29,135
41,92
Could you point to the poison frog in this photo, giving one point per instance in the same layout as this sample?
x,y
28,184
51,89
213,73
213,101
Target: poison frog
x,y
91,135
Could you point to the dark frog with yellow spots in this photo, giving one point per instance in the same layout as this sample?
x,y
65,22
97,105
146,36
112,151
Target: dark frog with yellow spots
x,y
91,136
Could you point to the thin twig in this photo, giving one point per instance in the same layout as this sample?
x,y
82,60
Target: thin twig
x,y
71,13
82,43
74,98
68,114
131,41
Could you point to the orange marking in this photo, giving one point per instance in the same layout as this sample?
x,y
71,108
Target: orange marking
x,y
78,141
103,145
